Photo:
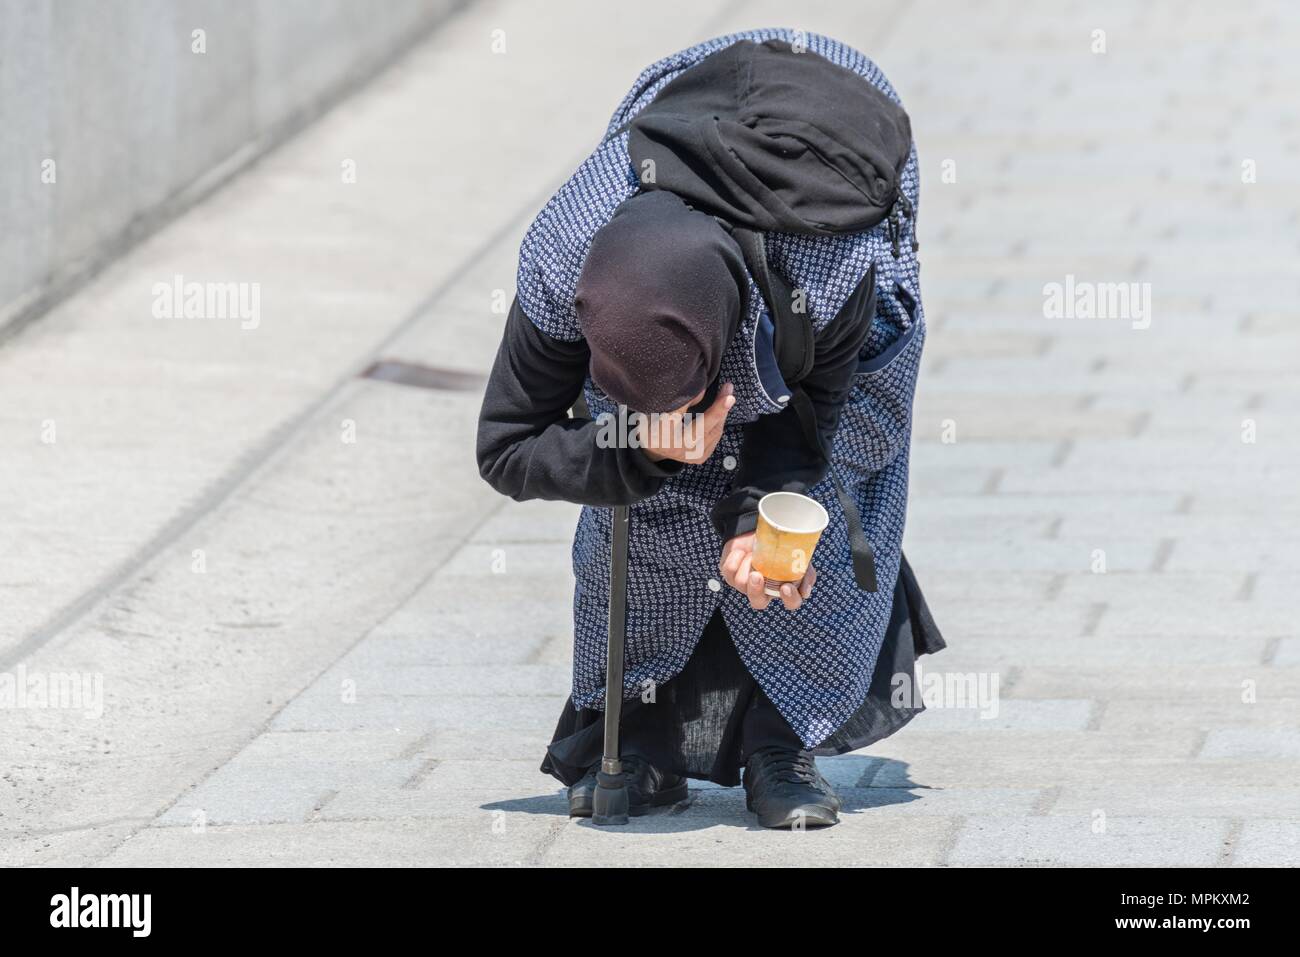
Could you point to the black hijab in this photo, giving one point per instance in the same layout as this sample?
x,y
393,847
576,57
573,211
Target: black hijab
x,y
660,297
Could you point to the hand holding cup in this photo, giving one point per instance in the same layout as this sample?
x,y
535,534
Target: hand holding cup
x,y
775,560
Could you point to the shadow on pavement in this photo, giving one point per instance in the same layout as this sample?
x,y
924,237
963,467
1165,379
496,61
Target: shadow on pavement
x,y
709,805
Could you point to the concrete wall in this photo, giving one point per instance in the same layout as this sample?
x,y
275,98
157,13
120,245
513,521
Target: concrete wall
x,y
136,122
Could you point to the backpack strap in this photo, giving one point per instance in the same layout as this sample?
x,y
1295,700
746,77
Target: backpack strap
x,y
793,337
795,347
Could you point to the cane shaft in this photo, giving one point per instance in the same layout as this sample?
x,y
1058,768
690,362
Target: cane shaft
x,y
617,635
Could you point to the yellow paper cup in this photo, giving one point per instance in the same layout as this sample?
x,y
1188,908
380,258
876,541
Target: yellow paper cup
x,y
789,525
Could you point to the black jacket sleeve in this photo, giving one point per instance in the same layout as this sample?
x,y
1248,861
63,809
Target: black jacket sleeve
x,y
776,455
528,447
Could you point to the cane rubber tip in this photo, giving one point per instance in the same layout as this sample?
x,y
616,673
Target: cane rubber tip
x,y
609,804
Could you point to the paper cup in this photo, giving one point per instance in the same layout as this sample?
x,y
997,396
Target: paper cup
x,y
789,525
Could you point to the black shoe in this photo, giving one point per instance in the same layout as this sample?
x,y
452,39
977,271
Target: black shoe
x,y
647,787
785,789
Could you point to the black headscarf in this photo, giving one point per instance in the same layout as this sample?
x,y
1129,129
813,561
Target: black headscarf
x,y
660,297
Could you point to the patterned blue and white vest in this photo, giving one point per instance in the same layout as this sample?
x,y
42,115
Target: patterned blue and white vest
x,y
816,664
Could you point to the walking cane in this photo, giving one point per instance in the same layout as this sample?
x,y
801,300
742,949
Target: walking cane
x,y
610,803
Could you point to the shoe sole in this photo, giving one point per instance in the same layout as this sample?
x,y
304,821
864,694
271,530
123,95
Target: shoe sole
x,y
813,816
673,795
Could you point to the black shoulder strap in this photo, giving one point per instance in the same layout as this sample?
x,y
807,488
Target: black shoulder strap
x,y
793,339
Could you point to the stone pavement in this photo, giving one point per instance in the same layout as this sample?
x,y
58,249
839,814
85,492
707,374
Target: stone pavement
x,y
321,651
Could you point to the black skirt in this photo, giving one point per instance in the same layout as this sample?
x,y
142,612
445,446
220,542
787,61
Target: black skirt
x,y
698,715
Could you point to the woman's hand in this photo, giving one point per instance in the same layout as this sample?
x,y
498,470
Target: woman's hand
x,y
686,437
736,566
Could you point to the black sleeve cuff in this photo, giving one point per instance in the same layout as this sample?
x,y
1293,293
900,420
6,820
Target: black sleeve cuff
x,y
662,469
736,514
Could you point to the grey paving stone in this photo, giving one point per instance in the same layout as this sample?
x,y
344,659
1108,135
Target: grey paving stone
x,y
1288,652
325,711
1223,445
1076,506
1021,758
462,606
983,454
1198,711
1051,650
536,521
1009,714
994,587
1269,744
717,831
951,481
958,342
1179,479
249,791
957,768
1048,375
522,744
353,747
384,650
540,564
386,804
1268,503
1276,585
969,555
493,841
489,774
1249,555
1160,801
58,847
449,681
1058,841
936,524
942,802
1221,683
1015,416
1268,843
980,617
1165,591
